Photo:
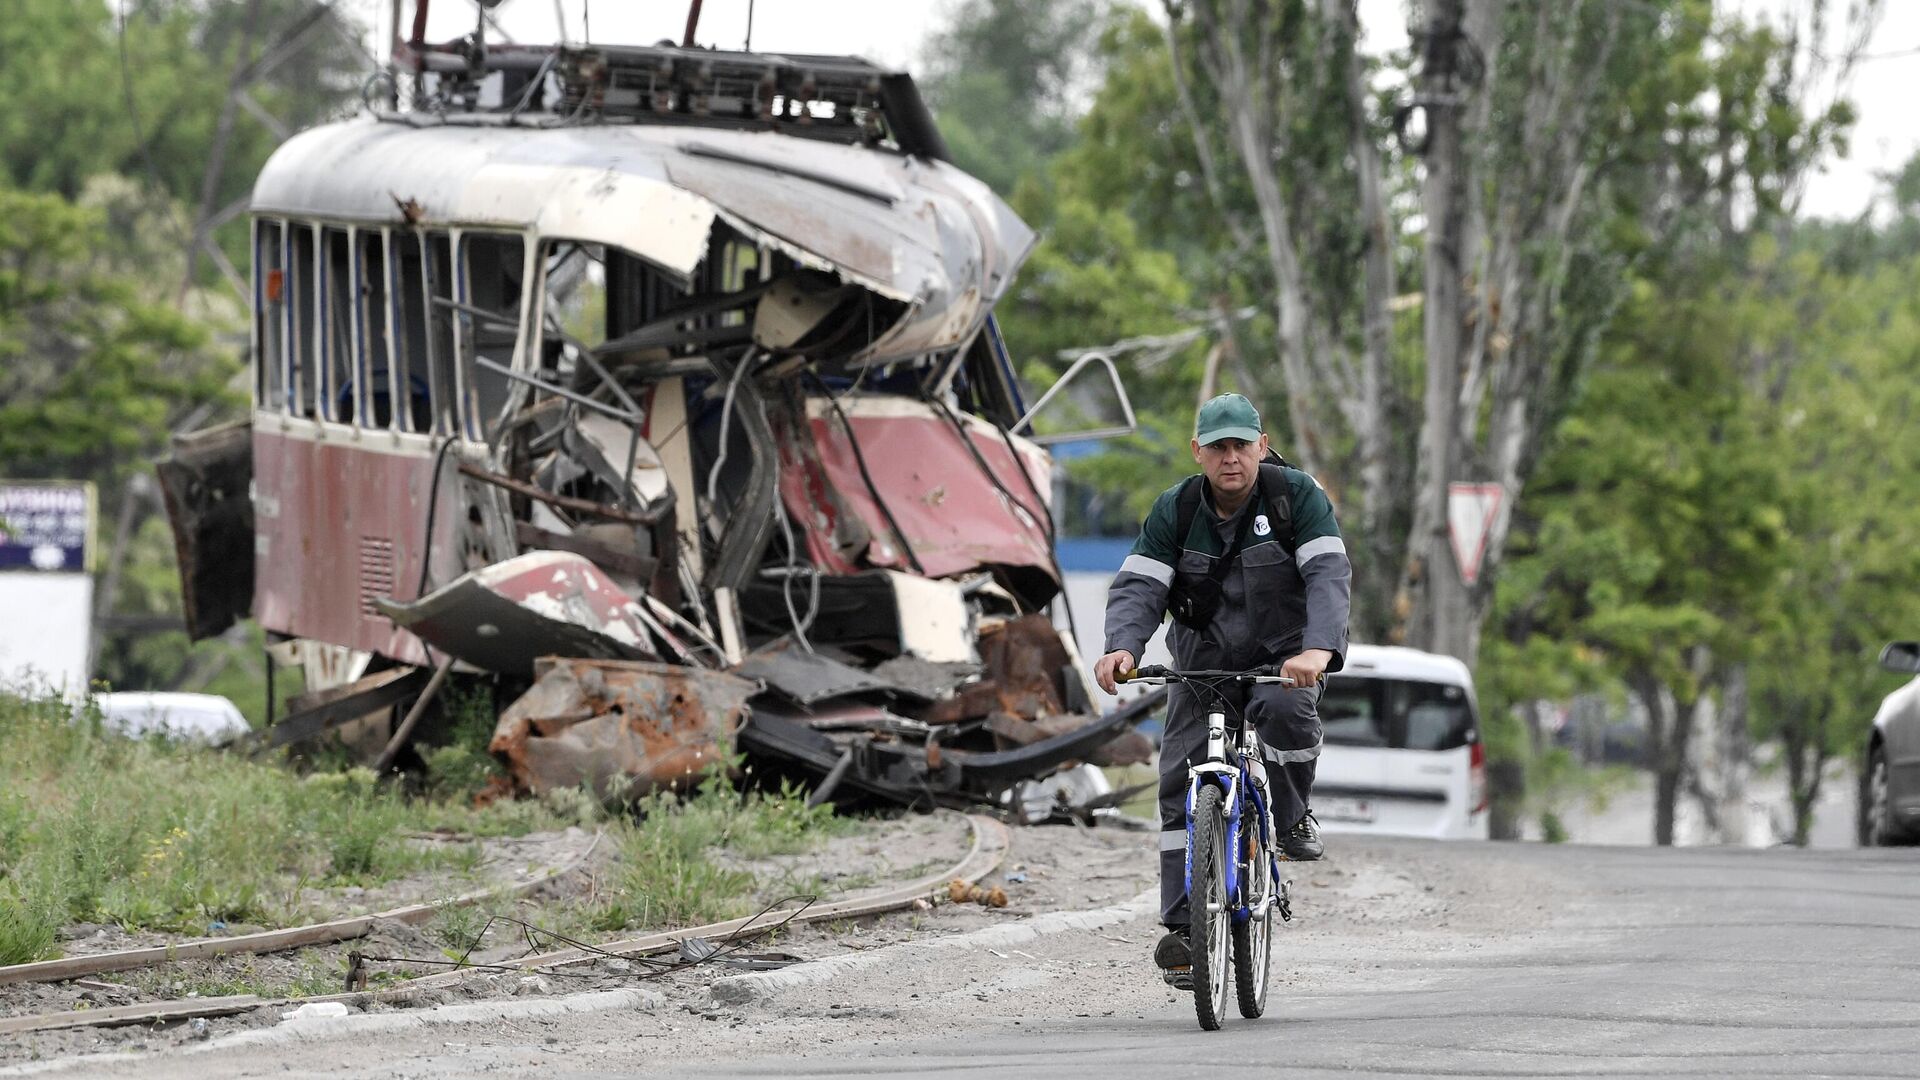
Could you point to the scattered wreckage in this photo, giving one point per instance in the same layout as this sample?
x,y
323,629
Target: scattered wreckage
x,y
665,389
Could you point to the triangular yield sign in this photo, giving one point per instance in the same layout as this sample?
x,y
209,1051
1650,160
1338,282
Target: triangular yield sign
x,y
1470,513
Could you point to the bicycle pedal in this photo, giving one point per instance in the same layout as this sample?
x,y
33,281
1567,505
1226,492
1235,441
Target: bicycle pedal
x,y
1179,979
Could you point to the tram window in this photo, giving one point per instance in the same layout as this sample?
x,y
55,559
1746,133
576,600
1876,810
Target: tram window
x,y
495,267
342,390
270,315
407,307
370,280
575,313
303,286
437,253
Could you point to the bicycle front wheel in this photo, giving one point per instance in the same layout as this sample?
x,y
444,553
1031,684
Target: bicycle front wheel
x,y
1212,917
1253,936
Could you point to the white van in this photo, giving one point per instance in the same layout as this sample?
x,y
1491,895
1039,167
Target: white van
x,y
1403,754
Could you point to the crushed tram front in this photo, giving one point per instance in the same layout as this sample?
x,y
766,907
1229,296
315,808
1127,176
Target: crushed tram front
x,y
681,411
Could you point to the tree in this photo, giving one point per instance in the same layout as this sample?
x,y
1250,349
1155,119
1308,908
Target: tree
x,y
1555,159
92,373
1002,76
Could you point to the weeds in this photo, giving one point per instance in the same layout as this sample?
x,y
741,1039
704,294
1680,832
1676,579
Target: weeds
x,y
464,765
678,864
457,928
149,835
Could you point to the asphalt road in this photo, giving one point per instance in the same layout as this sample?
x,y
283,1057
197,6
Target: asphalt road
x,y
1409,959
1613,962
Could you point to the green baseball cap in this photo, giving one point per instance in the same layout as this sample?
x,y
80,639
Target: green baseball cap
x,y
1228,416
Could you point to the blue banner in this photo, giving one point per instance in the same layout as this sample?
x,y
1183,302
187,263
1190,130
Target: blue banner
x,y
46,526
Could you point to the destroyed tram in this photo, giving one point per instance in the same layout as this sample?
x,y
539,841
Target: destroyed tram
x,y
667,393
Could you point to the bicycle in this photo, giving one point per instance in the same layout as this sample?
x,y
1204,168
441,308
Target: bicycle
x,y
1236,898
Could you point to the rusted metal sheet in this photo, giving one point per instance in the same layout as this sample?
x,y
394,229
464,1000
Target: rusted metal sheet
x,y
626,728
958,512
1023,661
807,679
544,603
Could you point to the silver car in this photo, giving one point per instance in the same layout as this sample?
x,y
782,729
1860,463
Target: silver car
x,y
1890,784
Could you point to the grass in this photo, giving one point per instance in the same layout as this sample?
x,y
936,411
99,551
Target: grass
x,y
679,864
95,827
306,973
155,836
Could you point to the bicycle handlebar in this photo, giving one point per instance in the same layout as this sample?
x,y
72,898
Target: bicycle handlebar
x,y
1156,673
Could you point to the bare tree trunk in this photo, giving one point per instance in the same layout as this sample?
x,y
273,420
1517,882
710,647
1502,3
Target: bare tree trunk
x,y
1444,617
1803,741
1735,747
1370,412
1702,772
1670,717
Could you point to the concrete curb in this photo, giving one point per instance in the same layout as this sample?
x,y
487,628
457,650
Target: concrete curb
x,y
763,986
315,1029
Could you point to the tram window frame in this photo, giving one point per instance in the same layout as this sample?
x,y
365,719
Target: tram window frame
x,y
271,283
340,329
410,315
303,322
565,313
372,333
443,348
486,392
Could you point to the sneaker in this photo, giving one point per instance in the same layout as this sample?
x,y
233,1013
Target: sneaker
x,y
1302,842
1173,959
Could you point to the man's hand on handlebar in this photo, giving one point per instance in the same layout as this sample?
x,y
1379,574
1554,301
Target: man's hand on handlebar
x,y
1117,662
1307,668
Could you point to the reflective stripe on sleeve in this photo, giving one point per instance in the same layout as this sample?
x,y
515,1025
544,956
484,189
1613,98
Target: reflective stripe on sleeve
x,y
1149,568
1173,840
1313,549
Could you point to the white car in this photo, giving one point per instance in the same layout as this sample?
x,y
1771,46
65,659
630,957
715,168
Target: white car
x,y
1890,783
207,718
1403,754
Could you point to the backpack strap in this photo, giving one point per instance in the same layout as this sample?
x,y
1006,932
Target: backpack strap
x,y
1188,507
1279,495
1273,487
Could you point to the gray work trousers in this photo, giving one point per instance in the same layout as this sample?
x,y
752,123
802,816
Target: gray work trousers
x,y
1288,721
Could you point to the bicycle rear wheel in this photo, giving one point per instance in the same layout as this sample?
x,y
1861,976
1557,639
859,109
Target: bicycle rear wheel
x,y
1211,920
1253,938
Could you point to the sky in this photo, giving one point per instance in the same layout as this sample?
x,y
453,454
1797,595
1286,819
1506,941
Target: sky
x,y
1886,133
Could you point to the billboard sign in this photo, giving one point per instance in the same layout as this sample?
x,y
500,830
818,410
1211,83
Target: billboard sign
x,y
45,526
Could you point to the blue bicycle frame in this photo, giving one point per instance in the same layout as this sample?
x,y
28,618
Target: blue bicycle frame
x,y
1236,778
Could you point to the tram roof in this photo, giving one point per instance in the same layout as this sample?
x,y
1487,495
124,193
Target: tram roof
x,y
915,230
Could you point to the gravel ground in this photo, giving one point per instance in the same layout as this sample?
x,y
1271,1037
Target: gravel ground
x,y
875,853
1381,892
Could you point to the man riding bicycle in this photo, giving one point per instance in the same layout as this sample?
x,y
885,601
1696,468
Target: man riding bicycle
x,y
1248,560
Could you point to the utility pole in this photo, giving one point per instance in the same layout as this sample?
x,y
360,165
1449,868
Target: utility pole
x,y
1449,625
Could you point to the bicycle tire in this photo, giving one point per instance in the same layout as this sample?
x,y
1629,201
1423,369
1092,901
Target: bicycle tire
x,y
1253,937
1210,919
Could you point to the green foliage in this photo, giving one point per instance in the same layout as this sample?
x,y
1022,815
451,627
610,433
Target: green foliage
x,y
679,864
91,372
98,827
64,60
1000,77
458,928
463,766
